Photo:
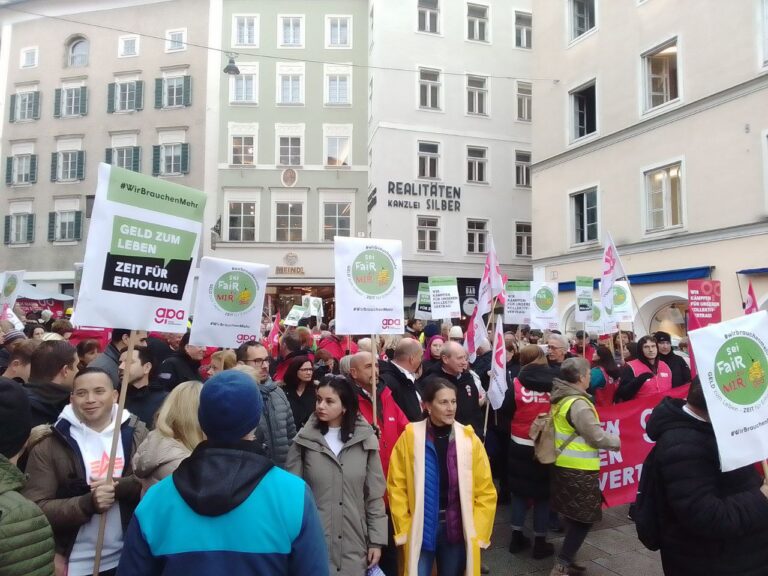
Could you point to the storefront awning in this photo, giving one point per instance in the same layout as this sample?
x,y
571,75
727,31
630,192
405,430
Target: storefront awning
x,y
753,271
35,293
653,277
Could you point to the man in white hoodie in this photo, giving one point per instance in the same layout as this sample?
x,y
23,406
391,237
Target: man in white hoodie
x,y
67,470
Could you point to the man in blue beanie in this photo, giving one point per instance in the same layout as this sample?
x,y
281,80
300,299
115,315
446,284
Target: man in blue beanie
x,y
227,509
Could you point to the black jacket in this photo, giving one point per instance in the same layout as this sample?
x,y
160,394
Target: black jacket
x,y
482,366
468,410
681,374
178,368
46,401
713,523
145,402
403,390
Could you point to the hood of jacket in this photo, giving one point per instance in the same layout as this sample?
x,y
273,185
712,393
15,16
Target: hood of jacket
x,y
216,479
11,478
48,392
669,415
538,377
156,451
311,437
562,389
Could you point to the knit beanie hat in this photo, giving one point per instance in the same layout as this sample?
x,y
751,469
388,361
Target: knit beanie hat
x,y
431,330
13,335
230,406
15,417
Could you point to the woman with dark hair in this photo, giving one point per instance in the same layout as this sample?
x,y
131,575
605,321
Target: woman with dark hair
x,y
299,387
34,331
646,375
441,493
605,376
87,350
337,454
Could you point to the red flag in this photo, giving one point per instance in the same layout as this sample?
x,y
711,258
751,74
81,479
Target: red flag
x,y
492,286
751,305
273,340
612,271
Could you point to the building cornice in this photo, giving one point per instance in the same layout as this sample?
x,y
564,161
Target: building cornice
x,y
436,129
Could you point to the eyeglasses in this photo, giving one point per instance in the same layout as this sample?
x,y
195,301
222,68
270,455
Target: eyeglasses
x,y
259,360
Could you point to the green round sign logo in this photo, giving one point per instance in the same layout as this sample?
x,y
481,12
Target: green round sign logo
x,y
235,291
373,272
740,370
619,296
545,299
10,285
596,314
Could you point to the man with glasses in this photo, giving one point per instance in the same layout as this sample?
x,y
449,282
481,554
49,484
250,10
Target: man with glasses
x,y
276,427
557,350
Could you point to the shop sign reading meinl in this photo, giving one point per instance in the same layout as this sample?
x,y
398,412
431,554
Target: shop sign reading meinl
x,y
291,259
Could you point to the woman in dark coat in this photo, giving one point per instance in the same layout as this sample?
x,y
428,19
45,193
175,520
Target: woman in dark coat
x,y
299,386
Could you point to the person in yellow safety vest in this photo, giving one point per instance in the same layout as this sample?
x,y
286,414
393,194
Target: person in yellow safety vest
x,y
576,473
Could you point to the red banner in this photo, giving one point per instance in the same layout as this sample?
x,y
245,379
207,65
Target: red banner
x,y
620,471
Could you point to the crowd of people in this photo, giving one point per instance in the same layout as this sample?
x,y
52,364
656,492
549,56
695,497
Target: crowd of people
x,y
333,454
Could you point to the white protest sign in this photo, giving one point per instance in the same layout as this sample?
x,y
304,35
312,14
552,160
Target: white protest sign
x,y
583,311
517,307
10,284
141,252
423,309
444,297
230,299
369,286
544,314
312,306
732,360
600,322
622,302
296,314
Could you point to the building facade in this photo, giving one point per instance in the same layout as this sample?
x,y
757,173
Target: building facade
x,y
656,131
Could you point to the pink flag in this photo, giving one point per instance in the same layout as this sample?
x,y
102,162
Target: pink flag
x,y
498,384
612,271
273,340
491,286
751,305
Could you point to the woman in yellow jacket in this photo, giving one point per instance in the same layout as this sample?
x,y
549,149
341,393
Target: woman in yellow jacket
x,y
441,493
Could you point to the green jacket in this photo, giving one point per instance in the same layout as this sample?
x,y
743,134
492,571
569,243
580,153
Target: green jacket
x,y
26,539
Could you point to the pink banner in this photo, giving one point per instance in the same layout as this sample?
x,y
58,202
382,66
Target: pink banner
x,y
620,471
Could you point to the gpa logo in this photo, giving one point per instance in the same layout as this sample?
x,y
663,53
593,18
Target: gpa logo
x,y
247,338
169,316
391,323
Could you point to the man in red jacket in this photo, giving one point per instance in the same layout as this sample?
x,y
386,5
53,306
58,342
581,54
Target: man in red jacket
x,y
338,346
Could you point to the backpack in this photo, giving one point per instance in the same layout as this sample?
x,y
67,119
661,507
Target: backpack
x,y
542,432
647,509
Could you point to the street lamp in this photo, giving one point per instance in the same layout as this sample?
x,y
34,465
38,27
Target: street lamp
x,y
231,68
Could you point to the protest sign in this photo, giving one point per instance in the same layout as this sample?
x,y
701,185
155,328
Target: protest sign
x,y
732,361
544,314
78,282
230,299
622,302
517,308
369,286
142,248
444,297
10,282
423,303
584,286
312,306
704,306
601,322
296,314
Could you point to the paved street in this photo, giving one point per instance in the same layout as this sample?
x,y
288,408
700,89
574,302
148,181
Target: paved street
x,y
611,548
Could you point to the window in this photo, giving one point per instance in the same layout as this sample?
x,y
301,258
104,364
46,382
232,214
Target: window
x,y
126,96
523,169
338,80
21,169
477,233
429,14
429,89
25,106
176,40
173,91
477,22
584,210
289,221
64,226
584,111
242,222
337,220
661,75
127,46
70,101
171,156
524,101
245,30
243,150
428,231
290,151
337,151
67,166
291,31
290,84
19,227
523,238
28,57
124,157
476,165
477,95
171,159
582,17
429,155
663,198
77,53
338,31
523,30
244,88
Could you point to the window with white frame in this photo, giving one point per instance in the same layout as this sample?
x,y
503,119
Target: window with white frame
x,y
582,17
290,150
429,16
584,110
523,30
245,30
429,89
125,96
173,91
429,159
477,22
289,221
290,84
65,225
522,169
71,101
477,159
337,220
244,87
338,80
291,31
171,159
243,150
171,156
337,150
67,166
28,57
25,105
77,52
241,221
20,223
176,40
523,238
477,235
428,234
661,80
124,157
21,169
128,46
477,95
663,197
338,31
524,101
584,216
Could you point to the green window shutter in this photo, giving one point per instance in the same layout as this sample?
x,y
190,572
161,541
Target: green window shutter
x,y
33,168
7,231
36,105
136,164
57,103
110,98
51,226
9,170
108,156
185,158
155,160
187,94
30,228
83,100
158,92
54,166
81,165
139,94
78,225
12,110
